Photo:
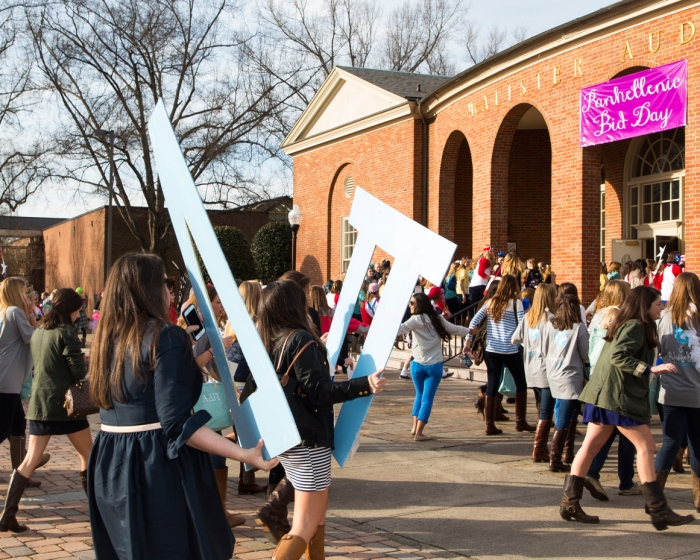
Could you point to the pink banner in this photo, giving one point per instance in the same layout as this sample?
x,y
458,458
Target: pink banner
x,y
634,105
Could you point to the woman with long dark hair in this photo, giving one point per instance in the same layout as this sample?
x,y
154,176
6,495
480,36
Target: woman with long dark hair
x,y
428,331
302,364
503,313
679,344
152,448
618,396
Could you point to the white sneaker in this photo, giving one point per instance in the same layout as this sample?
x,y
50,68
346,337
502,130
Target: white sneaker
x,y
404,375
446,374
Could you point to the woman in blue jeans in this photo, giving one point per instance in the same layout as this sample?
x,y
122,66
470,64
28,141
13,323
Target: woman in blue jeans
x,y
428,331
679,344
565,347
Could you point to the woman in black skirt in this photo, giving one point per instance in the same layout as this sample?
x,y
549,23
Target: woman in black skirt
x,y
294,347
58,364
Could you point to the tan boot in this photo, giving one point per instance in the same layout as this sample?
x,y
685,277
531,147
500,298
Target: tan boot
x,y
316,549
234,519
290,547
540,453
696,491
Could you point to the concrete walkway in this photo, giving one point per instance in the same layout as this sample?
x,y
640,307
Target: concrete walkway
x,y
459,495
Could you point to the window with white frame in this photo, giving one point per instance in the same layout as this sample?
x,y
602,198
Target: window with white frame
x,y
348,236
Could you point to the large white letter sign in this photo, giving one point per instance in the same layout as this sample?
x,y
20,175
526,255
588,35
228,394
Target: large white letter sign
x,y
265,413
417,251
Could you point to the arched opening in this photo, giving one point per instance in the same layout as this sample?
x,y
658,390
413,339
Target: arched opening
x,y
521,177
456,193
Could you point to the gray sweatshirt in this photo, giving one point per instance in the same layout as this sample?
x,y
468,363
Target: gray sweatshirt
x,y
676,347
531,340
15,354
427,346
565,354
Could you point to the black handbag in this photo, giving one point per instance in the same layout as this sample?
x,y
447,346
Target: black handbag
x,y
305,415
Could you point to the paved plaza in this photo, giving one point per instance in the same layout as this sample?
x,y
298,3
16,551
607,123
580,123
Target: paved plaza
x,y
459,495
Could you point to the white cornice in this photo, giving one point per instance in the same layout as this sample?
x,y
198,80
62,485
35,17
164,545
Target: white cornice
x,y
605,25
393,115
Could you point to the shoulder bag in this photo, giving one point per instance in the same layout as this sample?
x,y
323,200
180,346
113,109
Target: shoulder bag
x,y
507,386
78,402
213,400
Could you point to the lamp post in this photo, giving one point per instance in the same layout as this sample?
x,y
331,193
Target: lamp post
x,y
109,135
294,218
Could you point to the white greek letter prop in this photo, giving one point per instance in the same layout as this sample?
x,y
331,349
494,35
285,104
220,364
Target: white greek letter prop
x,y
265,413
417,251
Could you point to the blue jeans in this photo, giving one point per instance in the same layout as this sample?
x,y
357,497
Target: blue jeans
x,y
679,424
426,380
546,403
564,413
625,460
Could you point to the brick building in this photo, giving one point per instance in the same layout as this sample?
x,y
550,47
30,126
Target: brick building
x,y
76,248
492,155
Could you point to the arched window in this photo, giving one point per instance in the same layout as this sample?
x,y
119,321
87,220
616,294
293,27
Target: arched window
x,y
661,152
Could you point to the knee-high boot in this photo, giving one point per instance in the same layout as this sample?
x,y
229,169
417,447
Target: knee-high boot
x,y
290,547
521,424
316,549
555,462
83,480
499,411
18,451
540,454
234,519
274,513
661,514
489,410
570,508
8,521
570,442
247,484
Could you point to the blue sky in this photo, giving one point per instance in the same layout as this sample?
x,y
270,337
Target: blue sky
x,y
536,15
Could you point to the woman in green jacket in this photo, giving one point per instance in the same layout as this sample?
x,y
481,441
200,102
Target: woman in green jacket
x,y
58,364
618,397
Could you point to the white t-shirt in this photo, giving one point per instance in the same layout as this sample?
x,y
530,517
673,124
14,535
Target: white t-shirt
x,y
330,298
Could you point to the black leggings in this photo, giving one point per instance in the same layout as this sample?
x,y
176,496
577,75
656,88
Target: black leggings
x,y
12,422
494,367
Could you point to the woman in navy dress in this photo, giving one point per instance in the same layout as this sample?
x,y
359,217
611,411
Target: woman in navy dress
x,y
151,488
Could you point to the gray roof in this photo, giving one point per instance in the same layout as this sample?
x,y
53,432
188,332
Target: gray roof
x,y
404,84
27,223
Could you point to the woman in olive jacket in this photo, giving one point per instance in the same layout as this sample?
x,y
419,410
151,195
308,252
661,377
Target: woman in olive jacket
x,y
294,347
58,363
618,396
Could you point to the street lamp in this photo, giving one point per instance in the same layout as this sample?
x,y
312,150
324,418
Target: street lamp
x,y
294,218
109,135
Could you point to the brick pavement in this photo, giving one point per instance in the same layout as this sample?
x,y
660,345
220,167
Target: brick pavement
x,y
59,525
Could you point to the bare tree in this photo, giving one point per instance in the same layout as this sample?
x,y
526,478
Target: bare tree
x,y
480,48
107,64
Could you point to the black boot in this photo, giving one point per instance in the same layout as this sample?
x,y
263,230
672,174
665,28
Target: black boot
x,y
570,508
274,513
489,411
83,480
8,521
661,514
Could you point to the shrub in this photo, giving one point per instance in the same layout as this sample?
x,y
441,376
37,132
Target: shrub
x,y
236,252
272,250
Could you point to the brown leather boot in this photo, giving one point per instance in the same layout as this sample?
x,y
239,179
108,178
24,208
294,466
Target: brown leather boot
x,y
570,441
499,411
489,408
540,453
678,463
662,477
696,491
521,424
247,484
83,480
555,462
274,513
316,549
8,521
290,547
479,405
234,519
18,451
661,514
570,508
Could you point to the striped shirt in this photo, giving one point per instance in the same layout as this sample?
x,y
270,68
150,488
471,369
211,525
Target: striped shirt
x,y
498,335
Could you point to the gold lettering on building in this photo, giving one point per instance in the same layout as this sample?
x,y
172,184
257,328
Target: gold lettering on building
x,y
577,68
496,99
523,90
687,38
471,109
627,51
651,42
508,93
486,104
557,75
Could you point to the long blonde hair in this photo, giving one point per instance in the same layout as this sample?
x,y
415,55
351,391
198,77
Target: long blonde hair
x,y
684,303
451,270
251,292
512,265
12,292
319,302
545,298
614,293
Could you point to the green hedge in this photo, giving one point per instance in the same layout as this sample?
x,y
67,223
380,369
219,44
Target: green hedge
x,y
236,251
272,251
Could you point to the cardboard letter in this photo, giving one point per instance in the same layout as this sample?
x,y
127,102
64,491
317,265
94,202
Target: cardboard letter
x,y
265,413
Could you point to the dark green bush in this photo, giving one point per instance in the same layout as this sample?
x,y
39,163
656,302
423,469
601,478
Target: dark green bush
x,y
236,251
272,250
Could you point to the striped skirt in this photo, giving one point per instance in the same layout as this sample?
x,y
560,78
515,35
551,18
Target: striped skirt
x,y
308,468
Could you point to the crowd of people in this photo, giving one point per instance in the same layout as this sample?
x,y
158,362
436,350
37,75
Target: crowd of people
x,y
635,350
